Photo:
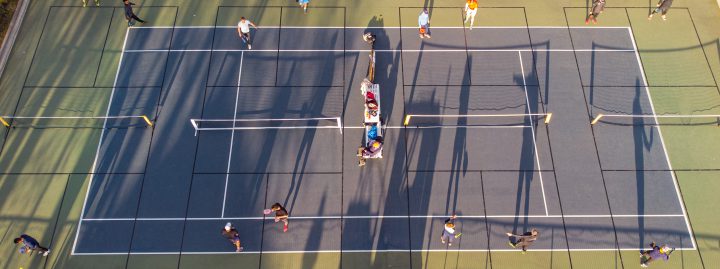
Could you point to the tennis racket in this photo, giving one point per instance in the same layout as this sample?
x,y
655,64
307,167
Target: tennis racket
x,y
458,235
267,211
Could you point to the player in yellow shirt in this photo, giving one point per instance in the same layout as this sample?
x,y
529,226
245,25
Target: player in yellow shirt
x,y
470,11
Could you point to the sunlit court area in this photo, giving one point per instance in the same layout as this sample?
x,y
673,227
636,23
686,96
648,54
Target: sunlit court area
x,y
359,134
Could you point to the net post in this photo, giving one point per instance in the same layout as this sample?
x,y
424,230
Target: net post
x,y
339,124
548,116
407,120
4,122
147,120
596,119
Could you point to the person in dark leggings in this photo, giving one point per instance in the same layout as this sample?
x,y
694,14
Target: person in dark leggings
x,y
597,8
30,244
129,14
523,240
662,7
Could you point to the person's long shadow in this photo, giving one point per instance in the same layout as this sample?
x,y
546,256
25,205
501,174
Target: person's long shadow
x,y
643,142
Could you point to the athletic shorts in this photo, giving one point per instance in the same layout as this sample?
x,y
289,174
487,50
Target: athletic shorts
x,y
471,12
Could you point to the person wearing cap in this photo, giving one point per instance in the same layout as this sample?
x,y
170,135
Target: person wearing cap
x,y
662,7
424,23
373,149
30,244
656,253
523,240
233,236
470,11
449,230
281,214
244,31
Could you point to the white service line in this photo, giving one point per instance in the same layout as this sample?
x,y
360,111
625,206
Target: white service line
x,y
384,27
662,140
367,251
232,135
97,151
532,127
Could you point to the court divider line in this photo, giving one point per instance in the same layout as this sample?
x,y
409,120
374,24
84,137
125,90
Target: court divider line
x,y
386,27
99,146
382,50
532,128
232,134
363,251
662,140
396,217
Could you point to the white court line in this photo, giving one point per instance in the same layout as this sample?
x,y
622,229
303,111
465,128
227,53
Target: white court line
x,y
386,27
381,50
399,217
443,127
532,127
97,151
232,134
662,140
367,251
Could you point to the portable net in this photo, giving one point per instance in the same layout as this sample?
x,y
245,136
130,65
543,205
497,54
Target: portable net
x,y
265,124
476,120
107,122
650,119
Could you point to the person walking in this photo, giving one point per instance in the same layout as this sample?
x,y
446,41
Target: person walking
x,y
281,214
303,4
662,7
656,253
29,245
470,11
244,31
129,14
597,8
448,232
424,23
233,236
524,240
97,3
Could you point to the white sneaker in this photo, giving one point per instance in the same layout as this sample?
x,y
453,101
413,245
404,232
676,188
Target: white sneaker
x,y
46,253
249,46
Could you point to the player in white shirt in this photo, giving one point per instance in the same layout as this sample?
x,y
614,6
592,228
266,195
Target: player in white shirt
x,y
244,30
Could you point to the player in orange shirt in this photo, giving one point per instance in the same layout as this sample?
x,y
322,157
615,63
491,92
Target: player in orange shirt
x,y
470,11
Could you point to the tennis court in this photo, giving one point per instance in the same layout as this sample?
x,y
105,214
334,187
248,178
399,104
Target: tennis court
x,y
509,126
498,175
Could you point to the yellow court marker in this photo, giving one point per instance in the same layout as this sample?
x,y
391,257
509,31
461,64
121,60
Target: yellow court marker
x,y
547,118
147,120
597,118
407,120
4,123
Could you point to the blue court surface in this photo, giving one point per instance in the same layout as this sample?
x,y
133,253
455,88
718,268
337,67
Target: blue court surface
x,y
171,188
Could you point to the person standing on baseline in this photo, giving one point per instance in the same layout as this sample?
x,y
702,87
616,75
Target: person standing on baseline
x,y
129,14
29,244
233,236
656,253
303,4
244,31
424,23
470,11
524,240
597,8
662,7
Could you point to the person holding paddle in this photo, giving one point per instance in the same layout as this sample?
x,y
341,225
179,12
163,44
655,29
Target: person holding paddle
x,y
424,23
449,231
523,240
281,214
656,253
233,236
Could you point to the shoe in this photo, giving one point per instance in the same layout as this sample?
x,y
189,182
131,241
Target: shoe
x,y
442,240
511,245
239,250
650,17
285,228
449,244
509,234
97,3
663,17
84,4
643,265
249,46
422,36
46,253
587,20
470,28
523,252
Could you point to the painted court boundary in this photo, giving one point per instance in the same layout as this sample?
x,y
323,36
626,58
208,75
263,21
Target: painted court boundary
x,y
102,136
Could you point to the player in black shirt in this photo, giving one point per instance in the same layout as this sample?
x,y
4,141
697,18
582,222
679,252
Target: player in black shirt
x,y
281,214
233,236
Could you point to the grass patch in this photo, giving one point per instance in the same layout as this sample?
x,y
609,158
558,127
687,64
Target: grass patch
x,y
7,9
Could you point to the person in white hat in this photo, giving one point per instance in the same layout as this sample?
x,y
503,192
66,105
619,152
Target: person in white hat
x,y
233,236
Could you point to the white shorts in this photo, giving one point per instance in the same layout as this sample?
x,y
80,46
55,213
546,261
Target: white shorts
x,y
471,12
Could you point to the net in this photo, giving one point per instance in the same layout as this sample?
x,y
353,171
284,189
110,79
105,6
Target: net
x,y
107,122
264,124
476,121
644,119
